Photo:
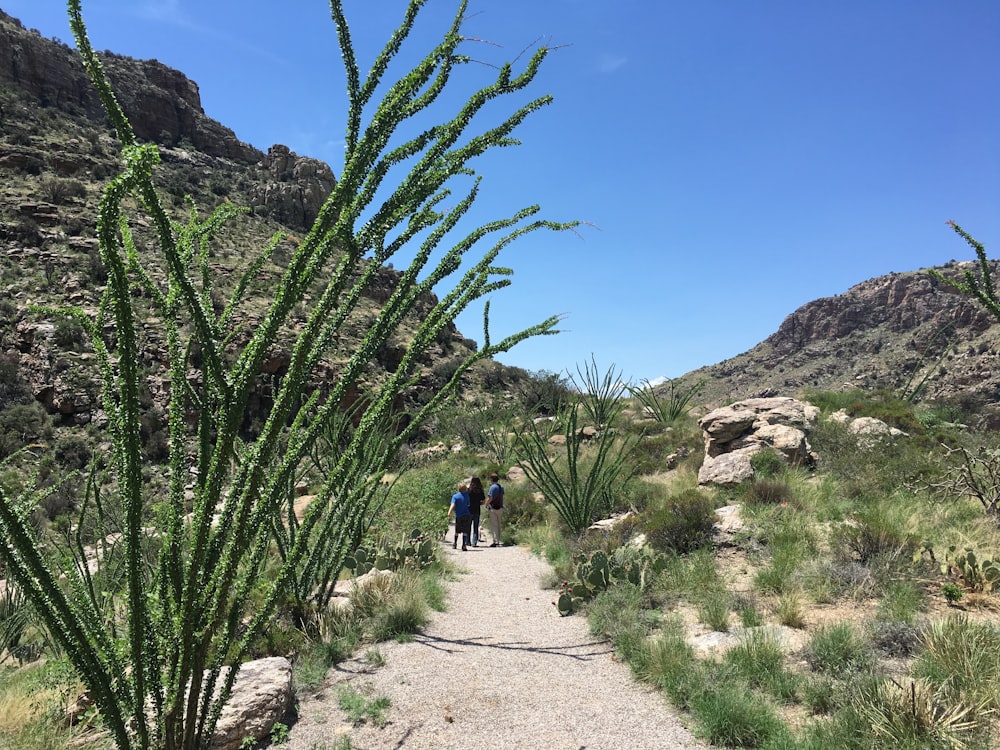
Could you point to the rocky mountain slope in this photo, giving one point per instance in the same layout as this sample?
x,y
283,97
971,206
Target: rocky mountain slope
x,y
906,333
57,153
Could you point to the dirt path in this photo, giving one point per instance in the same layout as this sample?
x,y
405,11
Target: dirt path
x,y
499,669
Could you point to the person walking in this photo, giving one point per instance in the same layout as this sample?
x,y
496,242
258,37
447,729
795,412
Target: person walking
x,y
477,499
463,519
495,505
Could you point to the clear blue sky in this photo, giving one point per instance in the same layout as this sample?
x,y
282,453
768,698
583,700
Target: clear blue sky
x,y
736,159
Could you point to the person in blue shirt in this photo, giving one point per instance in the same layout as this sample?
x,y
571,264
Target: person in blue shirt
x,y
463,517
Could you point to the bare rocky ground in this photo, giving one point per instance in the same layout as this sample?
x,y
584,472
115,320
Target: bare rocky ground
x,y
499,669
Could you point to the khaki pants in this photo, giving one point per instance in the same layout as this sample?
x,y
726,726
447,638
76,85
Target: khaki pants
x,y
495,523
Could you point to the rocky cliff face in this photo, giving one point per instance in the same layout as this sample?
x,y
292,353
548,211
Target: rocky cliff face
x,y
56,154
899,332
163,105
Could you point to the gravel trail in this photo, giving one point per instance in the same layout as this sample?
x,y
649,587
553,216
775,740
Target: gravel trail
x,y
499,669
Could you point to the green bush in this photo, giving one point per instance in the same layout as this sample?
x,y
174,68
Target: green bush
x,y
838,650
14,389
419,500
682,524
21,425
769,492
767,463
735,717
69,334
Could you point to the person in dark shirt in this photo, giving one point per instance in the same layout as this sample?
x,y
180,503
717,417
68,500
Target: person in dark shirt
x,y
477,499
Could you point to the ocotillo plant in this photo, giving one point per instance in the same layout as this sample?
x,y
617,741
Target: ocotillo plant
x,y
154,652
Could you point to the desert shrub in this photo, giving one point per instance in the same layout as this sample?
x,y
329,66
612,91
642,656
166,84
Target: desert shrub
x,y
650,453
735,717
668,662
759,661
682,524
69,333
59,190
72,451
13,388
894,639
876,533
616,614
543,392
418,500
962,658
61,499
767,463
838,650
21,425
521,511
900,602
769,492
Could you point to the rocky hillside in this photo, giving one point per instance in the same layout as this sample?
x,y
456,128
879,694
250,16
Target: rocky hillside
x,y
56,154
907,333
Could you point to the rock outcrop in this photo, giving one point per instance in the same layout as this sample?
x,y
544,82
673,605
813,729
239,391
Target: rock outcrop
x,y
297,188
163,105
733,434
262,696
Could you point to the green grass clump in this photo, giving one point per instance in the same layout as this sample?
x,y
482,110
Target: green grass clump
x,y
838,650
962,659
759,662
360,708
734,717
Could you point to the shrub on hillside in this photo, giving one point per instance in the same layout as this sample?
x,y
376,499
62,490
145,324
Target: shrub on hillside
x,y
682,524
13,388
21,425
769,492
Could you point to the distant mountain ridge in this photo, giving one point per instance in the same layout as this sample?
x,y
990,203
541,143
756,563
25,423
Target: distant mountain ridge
x,y
901,332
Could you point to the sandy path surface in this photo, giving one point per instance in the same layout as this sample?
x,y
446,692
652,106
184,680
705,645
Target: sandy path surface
x,y
499,669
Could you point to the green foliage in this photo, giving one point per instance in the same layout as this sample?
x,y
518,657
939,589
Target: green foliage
x,y
759,662
544,393
977,284
14,389
360,708
575,489
415,551
279,733
769,492
767,463
682,524
669,408
951,592
196,596
912,714
69,333
838,650
962,659
599,394
599,571
22,425
713,610
734,717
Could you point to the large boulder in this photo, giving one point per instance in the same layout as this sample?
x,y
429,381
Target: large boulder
x,y
734,433
262,696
